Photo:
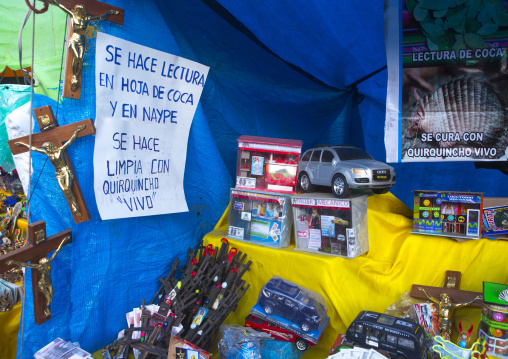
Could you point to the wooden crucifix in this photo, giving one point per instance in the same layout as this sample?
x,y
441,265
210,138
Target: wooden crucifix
x,y
447,299
82,12
49,142
37,255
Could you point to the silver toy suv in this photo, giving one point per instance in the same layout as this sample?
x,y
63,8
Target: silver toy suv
x,y
343,168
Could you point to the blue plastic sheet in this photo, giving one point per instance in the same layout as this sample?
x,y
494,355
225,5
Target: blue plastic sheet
x,y
277,69
112,265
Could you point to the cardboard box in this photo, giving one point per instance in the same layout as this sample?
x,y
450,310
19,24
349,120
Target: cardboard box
x,y
326,224
260,217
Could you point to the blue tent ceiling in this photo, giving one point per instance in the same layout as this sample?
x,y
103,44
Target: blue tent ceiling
x,y
277,69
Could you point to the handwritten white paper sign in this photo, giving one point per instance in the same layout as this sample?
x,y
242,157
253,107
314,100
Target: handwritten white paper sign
x,y
145,103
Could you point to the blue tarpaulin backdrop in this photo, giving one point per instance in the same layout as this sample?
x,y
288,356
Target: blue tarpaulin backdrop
x,y
277,69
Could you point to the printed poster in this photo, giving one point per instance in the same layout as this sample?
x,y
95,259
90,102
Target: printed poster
x,y
145,103
447,85
327,226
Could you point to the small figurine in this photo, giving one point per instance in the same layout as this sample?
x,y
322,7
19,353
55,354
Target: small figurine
x,y
77,42
43,268
63,173
262,209
445,308
314,221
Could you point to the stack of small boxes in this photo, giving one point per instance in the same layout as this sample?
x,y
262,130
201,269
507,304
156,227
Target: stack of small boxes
x,y
494,322
260,209
263,207
264,204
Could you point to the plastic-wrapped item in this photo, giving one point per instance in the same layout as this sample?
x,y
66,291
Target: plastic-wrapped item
x,y
396,336
326,224
238,342
450,214
426,315
267,164
261,218
11,97
402,307
292,307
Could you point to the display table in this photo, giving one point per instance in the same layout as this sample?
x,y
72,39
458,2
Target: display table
x,y
373,281
396,260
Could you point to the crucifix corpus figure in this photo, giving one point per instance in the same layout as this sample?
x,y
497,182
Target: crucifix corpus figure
x,y
445,309
63,173
43,268
77,42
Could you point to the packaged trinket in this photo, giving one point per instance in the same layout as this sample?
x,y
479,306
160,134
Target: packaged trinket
x,y
292,307
267,164
260,218
326,224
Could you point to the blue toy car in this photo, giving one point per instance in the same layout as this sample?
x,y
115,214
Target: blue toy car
x,y
302,307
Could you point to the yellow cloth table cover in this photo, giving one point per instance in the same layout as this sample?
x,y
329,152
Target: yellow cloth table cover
x,y
396,260
9,327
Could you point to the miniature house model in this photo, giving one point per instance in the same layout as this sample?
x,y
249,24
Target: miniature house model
x,y
267,164
453,214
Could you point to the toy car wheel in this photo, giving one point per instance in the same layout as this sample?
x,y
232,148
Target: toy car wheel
x,y
380,190
340,187
268,309
305,327
301,344
304,182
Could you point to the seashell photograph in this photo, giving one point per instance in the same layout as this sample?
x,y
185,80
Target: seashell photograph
x,y
449,107
504,295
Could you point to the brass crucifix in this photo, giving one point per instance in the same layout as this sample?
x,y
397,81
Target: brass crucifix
x,y
43,268
37,255
82,12
447,299
52,141
63,173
